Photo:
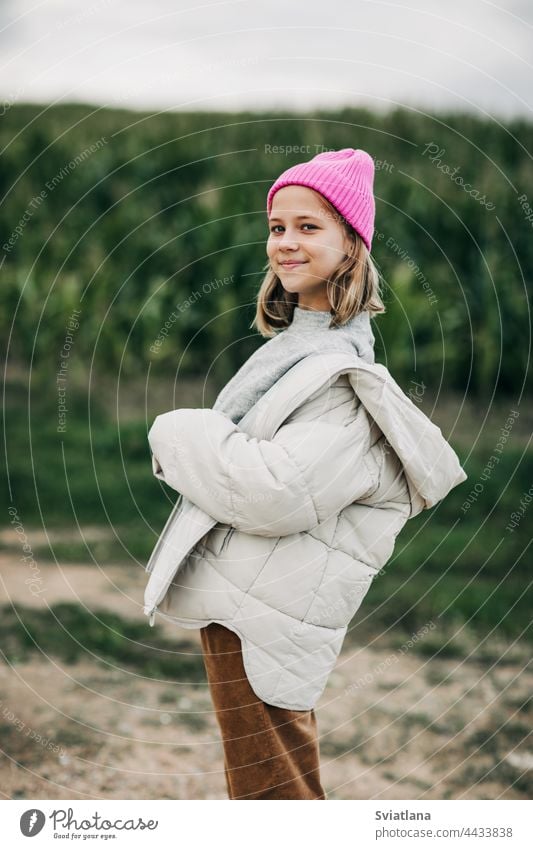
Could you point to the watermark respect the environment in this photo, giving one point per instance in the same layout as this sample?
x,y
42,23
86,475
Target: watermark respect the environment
x,y
393,245
50,185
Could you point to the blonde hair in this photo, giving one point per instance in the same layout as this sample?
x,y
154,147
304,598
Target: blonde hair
x,y
353,287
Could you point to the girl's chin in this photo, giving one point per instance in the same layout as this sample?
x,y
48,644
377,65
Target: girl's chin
x,y
293,285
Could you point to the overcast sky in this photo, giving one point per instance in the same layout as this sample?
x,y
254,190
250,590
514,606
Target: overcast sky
x,y
233,54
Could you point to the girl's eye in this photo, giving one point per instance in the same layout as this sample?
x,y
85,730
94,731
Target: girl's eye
x,y
273,229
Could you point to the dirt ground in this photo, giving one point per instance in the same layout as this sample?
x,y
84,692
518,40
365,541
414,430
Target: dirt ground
x,y
417,728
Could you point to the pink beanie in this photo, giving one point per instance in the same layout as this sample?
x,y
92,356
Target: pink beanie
x,y
345,177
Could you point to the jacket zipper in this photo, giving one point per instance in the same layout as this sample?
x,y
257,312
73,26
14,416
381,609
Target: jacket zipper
x,y
173,516
227,539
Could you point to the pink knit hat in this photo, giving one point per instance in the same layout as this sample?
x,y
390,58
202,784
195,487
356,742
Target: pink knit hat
x,y
345,177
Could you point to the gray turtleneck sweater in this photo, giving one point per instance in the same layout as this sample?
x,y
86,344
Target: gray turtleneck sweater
x,y
307,334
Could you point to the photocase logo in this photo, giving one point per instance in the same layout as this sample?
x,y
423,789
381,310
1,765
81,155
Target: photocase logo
x,y
31,822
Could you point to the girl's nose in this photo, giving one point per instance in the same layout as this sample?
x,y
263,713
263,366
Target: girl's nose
x,y
288,241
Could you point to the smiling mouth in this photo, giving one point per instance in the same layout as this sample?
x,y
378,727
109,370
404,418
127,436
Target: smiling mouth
x,y
290,264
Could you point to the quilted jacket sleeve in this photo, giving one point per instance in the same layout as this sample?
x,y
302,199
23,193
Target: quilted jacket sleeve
x,y
308,472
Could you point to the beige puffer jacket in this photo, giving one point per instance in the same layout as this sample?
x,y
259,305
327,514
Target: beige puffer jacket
x,y
288,516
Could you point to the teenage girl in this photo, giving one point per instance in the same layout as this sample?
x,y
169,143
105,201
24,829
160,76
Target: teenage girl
x,y
278,537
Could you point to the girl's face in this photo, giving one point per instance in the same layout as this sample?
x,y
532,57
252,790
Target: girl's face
x,y
304,234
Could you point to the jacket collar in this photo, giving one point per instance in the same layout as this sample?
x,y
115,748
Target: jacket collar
x,y
430,464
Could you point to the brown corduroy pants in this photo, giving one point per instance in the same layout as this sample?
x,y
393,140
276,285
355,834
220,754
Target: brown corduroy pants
x,y
269,752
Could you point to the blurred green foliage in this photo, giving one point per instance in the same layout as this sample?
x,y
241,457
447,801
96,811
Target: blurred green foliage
x,y
141,211
71,632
